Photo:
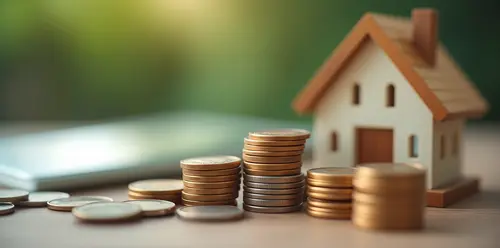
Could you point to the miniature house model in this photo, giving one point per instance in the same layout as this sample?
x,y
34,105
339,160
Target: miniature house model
x,y
390,92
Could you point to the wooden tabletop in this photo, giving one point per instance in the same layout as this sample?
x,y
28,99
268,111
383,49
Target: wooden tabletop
x,y
474,222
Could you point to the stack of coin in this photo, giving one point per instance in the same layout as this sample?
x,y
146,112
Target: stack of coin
x,y
389,196
273,182
211,180
159,189
329,192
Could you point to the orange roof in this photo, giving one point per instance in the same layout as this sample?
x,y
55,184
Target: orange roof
x,y
444,88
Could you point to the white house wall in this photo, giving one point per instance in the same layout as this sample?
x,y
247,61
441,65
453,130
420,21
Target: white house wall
x,y
373,71
448,168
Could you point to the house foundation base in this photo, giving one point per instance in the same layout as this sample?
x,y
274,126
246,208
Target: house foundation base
x,y
455,192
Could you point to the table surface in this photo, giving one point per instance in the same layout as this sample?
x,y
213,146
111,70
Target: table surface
x,y
474,222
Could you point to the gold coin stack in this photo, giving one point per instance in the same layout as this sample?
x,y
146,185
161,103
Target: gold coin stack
x,y
329,192
273,182
211,180
156,189
389,196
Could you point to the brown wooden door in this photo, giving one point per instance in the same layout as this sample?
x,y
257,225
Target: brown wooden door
x,y
374,145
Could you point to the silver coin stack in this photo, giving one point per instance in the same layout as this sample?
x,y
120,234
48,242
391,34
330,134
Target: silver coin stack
x,y
272,179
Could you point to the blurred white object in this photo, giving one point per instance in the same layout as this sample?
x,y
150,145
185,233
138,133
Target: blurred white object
x,y
122,151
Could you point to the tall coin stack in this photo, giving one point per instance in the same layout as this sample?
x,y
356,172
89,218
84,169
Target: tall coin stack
x,y
272,179
159,189
329,192
211,180
389,196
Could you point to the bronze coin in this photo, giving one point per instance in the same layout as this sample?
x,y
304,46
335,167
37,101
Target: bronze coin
x,y
273,148
273,172
272,160
272,167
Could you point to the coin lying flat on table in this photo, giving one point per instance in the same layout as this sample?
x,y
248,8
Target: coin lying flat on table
x,y
210,213
280,134
67,204
6,208
271,179
209,173
273,148
328,215
153,208
40,199
273,172
335,176
157,186
13,195
211,163
107,212
272,167
272,210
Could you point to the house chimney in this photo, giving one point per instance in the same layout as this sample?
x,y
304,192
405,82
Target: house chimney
x,y
425,33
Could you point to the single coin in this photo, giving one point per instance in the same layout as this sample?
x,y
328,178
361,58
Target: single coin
x,y
152,208
275,185
13,195
332,191
107,212
211,163
329,210
194,197
335,176
210,179
273,197
273,143
272,154
40,199
390,170
272,160
187,202
280,134
273,148
327,215
208,173
271,210
221,191
273,179
6,208
67,204
272,172
167,197
329,196
390,202
210,213
272,203
157,186
329,204
272,167
273,191
327,184
176,201
214,185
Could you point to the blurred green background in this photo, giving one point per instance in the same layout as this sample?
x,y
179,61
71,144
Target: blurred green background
x,y
98,59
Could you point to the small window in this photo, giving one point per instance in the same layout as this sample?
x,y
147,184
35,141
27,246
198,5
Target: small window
x,y
333,142
413,146
356,92
391,96
455,144
443,146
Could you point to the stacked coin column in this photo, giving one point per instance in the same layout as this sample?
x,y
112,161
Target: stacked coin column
x,y
389,196
211,180
272,179
329,192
